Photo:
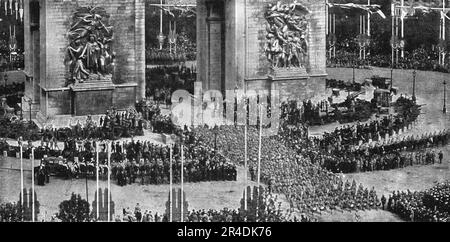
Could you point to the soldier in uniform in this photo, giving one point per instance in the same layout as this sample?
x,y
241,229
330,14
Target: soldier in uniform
x,y
441,156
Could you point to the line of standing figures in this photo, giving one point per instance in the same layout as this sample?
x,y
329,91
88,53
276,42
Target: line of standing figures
x,y
200,165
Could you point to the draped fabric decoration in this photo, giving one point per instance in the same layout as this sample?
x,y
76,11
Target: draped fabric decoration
x,y
185,11
401,9
372,9
16,5
21,10
13,8
364,37
178,8
12,40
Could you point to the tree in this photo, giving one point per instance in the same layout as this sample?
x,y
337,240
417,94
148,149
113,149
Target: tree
x,y
10,212
74,210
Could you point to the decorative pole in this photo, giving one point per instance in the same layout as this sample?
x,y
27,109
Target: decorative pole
x,y
364,33
30,103
245,157
392,34
259,145
86,176
161,35
21,178
334,33
327,14
443,30
368,19
182,182
360,34
444,110
392,77
32,186
97,178
402,19
171,184
259,159
354,74
396,34
109,182
414,85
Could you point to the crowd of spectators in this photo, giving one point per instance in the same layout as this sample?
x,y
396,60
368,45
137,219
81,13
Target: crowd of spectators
x,y
162,81
364,147
431,205
135,162
12,92
114,125
147,163
420,59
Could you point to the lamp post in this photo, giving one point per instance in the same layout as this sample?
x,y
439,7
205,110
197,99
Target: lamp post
x,y
161,36
216,130
414,85
30,103
444,110
5,78
354,66
392,76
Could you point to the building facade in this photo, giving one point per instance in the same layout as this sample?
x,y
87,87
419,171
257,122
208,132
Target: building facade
x,y
47,60
233,37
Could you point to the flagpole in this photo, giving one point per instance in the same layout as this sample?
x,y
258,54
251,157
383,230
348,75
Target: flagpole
x,y
21,179
171,184
182,181
259,145
334,33
392,34
96,171
109,182
368,20
32,186
327,26
245,160
161,24
259,158
402,19
363,31
443,30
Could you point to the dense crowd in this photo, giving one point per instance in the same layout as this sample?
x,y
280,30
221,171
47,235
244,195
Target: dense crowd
x,y
420,59
147,163
309,188
268,210
133,162
12,93
363,147
431,205
162,81
113,125
161,57
352,109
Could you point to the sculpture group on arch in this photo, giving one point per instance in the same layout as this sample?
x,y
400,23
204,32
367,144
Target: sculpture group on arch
x,y
90,52
286,35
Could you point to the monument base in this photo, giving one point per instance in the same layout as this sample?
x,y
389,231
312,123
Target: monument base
x,y
293,73
91,98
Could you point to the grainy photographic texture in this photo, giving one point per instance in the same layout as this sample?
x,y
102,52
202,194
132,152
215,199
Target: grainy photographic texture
x,y
224,111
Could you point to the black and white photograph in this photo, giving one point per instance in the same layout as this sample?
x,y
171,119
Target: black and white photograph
x,y
253,112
